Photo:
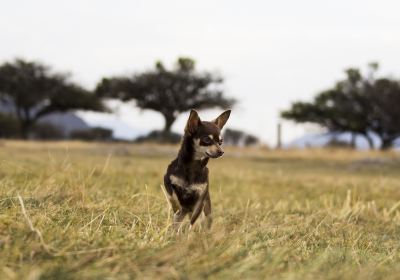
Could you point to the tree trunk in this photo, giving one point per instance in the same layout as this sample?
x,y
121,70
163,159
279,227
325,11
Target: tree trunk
x,y
386,144
25,129
25,122
353,140
169,120
370,141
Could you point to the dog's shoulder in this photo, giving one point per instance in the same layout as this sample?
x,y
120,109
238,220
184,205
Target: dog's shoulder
x,y
167,177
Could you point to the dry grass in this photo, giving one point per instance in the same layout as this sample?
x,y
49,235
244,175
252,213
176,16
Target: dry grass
x,y
72,210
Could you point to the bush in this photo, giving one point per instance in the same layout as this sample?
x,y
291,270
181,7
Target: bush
x,y
9,127
337,143
96,133
236,137
159,136
47,131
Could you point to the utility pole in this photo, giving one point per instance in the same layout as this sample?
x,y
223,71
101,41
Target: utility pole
x,y
279,136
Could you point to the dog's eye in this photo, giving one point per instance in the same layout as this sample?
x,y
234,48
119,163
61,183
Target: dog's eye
x,y
206,140
221,141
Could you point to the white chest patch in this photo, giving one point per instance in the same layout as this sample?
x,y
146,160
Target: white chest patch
x,y
178,181
199,187
184,184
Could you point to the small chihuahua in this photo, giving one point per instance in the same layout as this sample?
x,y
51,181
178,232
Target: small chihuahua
x,y
186,180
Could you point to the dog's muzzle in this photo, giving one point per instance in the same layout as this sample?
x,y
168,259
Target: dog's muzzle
x,y
216,155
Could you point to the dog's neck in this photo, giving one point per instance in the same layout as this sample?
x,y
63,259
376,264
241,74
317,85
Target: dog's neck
x,y
186,156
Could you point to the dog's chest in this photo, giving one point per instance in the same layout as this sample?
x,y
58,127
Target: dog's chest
x,y
185,185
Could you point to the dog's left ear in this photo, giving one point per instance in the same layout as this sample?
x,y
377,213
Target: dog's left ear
x,y
193,122
222,119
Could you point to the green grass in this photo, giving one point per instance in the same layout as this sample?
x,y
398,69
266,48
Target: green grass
x,y
97,212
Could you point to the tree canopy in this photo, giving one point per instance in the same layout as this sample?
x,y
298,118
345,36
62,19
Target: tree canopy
x,y
360,104
32,90
169,92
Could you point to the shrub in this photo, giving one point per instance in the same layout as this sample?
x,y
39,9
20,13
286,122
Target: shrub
x,y
159,136
9,126
96,133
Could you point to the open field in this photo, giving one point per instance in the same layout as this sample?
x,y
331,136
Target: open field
x,y
96,211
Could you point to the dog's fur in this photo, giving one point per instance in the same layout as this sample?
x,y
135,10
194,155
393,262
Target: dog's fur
x,y
186,180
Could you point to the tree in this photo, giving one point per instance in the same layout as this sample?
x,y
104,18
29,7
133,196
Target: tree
x,y
169,92
385,115
359,104
33,91
343,108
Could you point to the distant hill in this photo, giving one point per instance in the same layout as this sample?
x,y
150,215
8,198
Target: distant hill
x,y
121,129
68,122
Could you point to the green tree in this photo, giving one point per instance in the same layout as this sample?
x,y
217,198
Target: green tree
x,y
384,95
359,104
34,91
169,92
344,108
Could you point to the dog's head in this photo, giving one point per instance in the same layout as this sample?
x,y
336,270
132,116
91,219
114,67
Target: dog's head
x,y
207,138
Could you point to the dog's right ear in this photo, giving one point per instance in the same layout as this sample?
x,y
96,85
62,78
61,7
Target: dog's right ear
x,y
193,122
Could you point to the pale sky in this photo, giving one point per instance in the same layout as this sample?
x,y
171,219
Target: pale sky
x,y
271,53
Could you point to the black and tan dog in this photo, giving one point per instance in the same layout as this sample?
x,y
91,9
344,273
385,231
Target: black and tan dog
x,y
186,180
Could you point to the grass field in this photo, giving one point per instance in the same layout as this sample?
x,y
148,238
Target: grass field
x,y
96,211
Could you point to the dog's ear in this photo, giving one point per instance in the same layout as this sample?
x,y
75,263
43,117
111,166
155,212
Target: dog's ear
x,y
193,122
222,119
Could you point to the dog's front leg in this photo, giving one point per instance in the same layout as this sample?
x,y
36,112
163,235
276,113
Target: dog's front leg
x,y
207,210
198,207
178,218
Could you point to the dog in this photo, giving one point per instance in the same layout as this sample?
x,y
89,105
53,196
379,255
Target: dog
x,y
186,180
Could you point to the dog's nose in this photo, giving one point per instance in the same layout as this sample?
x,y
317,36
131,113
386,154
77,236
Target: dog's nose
x,y
220,153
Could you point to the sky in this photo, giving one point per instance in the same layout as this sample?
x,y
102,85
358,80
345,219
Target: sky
x,y
270,53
